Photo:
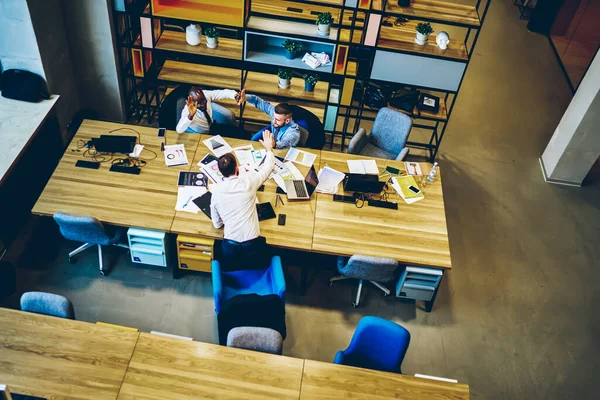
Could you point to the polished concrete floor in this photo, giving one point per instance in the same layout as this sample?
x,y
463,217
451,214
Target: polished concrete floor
x,y
514,318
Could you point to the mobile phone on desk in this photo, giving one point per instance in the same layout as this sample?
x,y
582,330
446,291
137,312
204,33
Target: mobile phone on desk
x,y
413,189
162,132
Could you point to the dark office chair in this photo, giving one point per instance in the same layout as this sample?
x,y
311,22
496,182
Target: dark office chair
x,y
47,304
312,133
387,139
8,280
376,344
171,107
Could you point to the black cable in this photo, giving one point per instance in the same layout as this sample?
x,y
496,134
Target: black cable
x,y
129,129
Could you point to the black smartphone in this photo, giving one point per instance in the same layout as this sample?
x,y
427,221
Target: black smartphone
x,y
162,132
281,220
414,189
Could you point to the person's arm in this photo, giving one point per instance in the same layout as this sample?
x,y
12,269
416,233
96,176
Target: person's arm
x,y
184,121
214,95
214,215
261,104
290,138
256,180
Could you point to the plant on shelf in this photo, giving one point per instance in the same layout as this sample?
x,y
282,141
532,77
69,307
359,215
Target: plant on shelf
x,y
310,80
212,37
423,31
285,77
324,21
292,48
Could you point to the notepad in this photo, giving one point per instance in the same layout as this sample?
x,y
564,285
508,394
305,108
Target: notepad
x,y
400,184
175,155
363,167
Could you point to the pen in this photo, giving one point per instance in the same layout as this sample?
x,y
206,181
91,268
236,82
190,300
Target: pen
x,y
186,203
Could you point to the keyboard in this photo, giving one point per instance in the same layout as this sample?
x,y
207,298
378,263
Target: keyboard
x,y
300,189
383,204
345,199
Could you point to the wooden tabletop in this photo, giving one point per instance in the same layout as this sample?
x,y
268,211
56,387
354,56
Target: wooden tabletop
x,y
146,200
56,358
414,234
330,381
168,368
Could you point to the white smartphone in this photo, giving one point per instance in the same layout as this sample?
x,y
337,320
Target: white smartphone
x,y
162,132
413,189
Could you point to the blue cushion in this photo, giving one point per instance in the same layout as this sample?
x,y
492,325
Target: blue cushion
x,y
246,282
47,304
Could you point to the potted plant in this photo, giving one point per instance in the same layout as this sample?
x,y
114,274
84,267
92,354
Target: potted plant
x,y
292,48
285,77
212,37
324,21
310,80
423,31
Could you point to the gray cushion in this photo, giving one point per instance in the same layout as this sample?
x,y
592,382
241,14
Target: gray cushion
x,y
265,340
86,229
370,268
48,304
390,130
373,151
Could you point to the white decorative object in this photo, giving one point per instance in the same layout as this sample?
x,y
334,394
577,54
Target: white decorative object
x,y
284,83
212,42
323,29
193,34
311,61
442,39
421,39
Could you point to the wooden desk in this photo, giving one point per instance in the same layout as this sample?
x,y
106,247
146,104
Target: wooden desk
x,y
171,368
57,358
146,200
298,230
413,234
330,381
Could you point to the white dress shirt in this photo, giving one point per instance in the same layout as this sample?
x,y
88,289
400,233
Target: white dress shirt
x,y
199,124
233,203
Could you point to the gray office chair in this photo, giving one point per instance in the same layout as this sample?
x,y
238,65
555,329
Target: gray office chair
x,y
373,269
47,304
265,340
88,230
387,139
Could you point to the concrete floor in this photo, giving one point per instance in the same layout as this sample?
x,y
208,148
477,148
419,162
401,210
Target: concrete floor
x,y
513,319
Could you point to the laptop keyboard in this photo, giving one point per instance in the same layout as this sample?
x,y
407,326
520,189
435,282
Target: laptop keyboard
x,y
300,189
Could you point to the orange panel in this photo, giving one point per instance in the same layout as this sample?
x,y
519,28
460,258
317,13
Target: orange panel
x,y
340,61
365,4
136,55
221,12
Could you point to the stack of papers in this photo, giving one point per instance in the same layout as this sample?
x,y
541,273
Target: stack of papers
x,y
217,145
401,184
211,170
175,155
186,196
329,180
300,157
413,168
363,167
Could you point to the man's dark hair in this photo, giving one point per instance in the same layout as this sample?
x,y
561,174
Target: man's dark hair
x,y
283,109
227,164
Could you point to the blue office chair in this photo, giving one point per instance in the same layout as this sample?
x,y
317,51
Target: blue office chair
x,y
227,284
88,230
47,304
387,139
376,344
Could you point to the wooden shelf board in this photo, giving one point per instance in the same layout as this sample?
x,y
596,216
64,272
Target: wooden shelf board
x,y
175,41
229,12
403,38
437,10
275,56
251,112
281,8
177,71
345,36
351,68
288,27
230,104
257,82
441,115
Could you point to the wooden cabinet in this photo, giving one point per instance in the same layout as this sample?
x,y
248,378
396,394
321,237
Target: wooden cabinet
x,y
195,253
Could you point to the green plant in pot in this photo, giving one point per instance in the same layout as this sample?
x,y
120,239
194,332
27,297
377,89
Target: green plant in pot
x,y
212,37
310,80
292,48
285,77
324,21
423,31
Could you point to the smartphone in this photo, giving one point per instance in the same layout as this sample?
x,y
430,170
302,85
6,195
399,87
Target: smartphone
x,y
281,220
414,189
162,132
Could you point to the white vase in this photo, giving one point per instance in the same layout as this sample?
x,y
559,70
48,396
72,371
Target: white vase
x,y
421,39
193,35
284,83
323,29
212,42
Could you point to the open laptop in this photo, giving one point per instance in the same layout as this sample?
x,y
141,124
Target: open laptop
x,y
363,183
302,190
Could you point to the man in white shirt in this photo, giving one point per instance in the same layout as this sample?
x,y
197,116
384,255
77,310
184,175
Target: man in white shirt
x,y
233,203
200,112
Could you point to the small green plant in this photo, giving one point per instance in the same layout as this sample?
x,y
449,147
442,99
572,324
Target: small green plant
x,y
211,32
284,73
324,18
292,46
424,28
311,78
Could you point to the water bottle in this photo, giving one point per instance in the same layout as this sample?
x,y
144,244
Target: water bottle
x,y
432,173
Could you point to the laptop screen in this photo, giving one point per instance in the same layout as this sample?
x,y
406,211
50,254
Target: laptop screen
x,y
311,181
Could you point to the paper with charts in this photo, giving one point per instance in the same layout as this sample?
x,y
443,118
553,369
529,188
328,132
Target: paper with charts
x,y
212,171
217,145
300,156
175,155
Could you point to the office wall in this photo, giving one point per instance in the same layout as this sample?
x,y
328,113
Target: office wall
x,y
88,25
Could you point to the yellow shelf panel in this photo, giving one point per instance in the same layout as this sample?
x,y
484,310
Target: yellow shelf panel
x,y
175,41
228,12
257,82
198,74
437,10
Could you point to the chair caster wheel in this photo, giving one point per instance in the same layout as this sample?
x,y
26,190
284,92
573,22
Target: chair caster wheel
x,y
102,273
71,261
354,305
386,294
330,284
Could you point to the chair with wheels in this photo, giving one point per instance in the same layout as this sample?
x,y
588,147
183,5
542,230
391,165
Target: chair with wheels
x,y
261,339
88,230
377,344
376,270
387,139
47,304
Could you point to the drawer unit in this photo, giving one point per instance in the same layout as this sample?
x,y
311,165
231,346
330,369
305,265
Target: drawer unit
x,y
147,247
418,283
195,253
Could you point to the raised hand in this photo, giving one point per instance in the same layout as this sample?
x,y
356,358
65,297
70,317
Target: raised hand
x,y
192,107
241,97
268,140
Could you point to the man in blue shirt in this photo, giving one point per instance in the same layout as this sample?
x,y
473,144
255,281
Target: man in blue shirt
x,y
286,132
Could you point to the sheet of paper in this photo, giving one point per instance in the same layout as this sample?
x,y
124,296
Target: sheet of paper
x,y
280,182
212,171
371,167
185,195
329,180
137,150
217,145
175,155
408,200
363,167
244,157
413,168
300,156
296,174
258,156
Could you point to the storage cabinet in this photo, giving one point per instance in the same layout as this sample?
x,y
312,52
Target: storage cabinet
x,y
418,283
147,247
195,253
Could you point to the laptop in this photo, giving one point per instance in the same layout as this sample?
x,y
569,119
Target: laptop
x,y
114,144
302,190
363,183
